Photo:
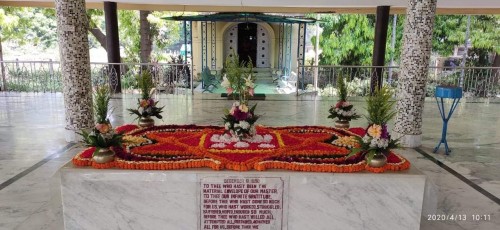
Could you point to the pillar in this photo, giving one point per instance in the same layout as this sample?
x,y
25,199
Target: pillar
x,y
417,45
378,59
113,45
72,30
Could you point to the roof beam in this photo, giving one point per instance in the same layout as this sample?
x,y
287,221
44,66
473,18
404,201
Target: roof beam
x,y
205,8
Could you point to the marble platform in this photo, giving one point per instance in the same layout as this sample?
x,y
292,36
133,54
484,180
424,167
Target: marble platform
x,y
125,199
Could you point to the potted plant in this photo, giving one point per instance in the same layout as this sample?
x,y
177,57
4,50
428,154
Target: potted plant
x,y
239,81
102,136
343,110
377,143
147,106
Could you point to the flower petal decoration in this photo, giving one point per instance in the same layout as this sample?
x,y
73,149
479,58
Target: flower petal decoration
x,y
297,148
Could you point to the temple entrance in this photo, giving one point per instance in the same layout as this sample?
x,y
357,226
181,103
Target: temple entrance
x,y
247,42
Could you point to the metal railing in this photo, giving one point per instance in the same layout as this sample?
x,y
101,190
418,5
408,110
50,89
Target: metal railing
x,y
45,76
475,81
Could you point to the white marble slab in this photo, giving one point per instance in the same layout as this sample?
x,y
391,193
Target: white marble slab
x,y
124,199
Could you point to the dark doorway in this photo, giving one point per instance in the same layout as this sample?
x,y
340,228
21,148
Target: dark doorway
x,y
247,42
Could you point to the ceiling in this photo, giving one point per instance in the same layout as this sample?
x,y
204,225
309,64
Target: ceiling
x,y
281,6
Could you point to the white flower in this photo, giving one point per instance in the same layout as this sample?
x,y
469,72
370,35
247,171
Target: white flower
x,y
236,104
225,82
374,143
268,138
218,145
227,125
244,125
266,146
366,139
383,143
248,81
241,144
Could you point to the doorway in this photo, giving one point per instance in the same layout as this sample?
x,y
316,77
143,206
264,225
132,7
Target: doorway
x,y
247,42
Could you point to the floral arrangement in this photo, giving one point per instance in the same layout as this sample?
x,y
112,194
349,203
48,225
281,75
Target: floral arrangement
x,y
239,81
102,136
343,110
147,106
377,140
297,148
239,120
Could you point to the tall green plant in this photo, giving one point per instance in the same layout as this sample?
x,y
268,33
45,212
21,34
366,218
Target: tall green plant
x,y
380,108
342,88
145,84
239,76
101,102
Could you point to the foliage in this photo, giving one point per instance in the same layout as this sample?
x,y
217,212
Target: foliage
x,y
343,110
163,33
377,140
342,88
147,107
145,84
380,107
24,25
238,78
99,140
102,135
101,102
346,39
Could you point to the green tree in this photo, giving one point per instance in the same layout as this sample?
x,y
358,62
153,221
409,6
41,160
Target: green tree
x,y
348,39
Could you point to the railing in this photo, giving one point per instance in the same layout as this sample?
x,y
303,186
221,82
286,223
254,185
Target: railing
x,y
45,76
475,81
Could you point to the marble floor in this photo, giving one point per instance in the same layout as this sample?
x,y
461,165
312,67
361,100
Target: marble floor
x,y
33,148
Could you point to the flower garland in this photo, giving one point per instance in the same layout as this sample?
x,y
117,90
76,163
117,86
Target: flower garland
x,y
298,148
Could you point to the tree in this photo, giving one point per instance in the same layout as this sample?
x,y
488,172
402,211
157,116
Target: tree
x,y
348,39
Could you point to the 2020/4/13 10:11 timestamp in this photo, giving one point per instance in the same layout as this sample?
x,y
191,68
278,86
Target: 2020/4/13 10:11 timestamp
x,y
462,217
477,217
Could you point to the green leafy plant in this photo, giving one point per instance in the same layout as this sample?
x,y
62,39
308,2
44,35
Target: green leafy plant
x,y
343,110
342,88
238,78
377,139
101,101
147,106
102,134
380,107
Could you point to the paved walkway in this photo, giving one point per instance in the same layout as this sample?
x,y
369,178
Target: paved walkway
x,y
32,149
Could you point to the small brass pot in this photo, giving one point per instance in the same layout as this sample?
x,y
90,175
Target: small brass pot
x,y
103,155
378,160
146,122
341,124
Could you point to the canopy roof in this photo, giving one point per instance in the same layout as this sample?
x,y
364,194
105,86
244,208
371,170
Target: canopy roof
x,y
280,6
243,17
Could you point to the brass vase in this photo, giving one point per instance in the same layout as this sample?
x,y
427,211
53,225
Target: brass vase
x,y
378,160
146,122
103,155
341,124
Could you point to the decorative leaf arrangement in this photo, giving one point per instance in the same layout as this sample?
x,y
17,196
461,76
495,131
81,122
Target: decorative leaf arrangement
x,y
238,79
102,135
377,139
343,110
147,106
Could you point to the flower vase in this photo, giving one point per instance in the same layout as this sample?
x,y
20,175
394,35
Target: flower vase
x,y
342,124
146,122
378,160
103,155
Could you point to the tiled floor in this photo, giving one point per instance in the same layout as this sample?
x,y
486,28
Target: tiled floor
x,y
31,140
